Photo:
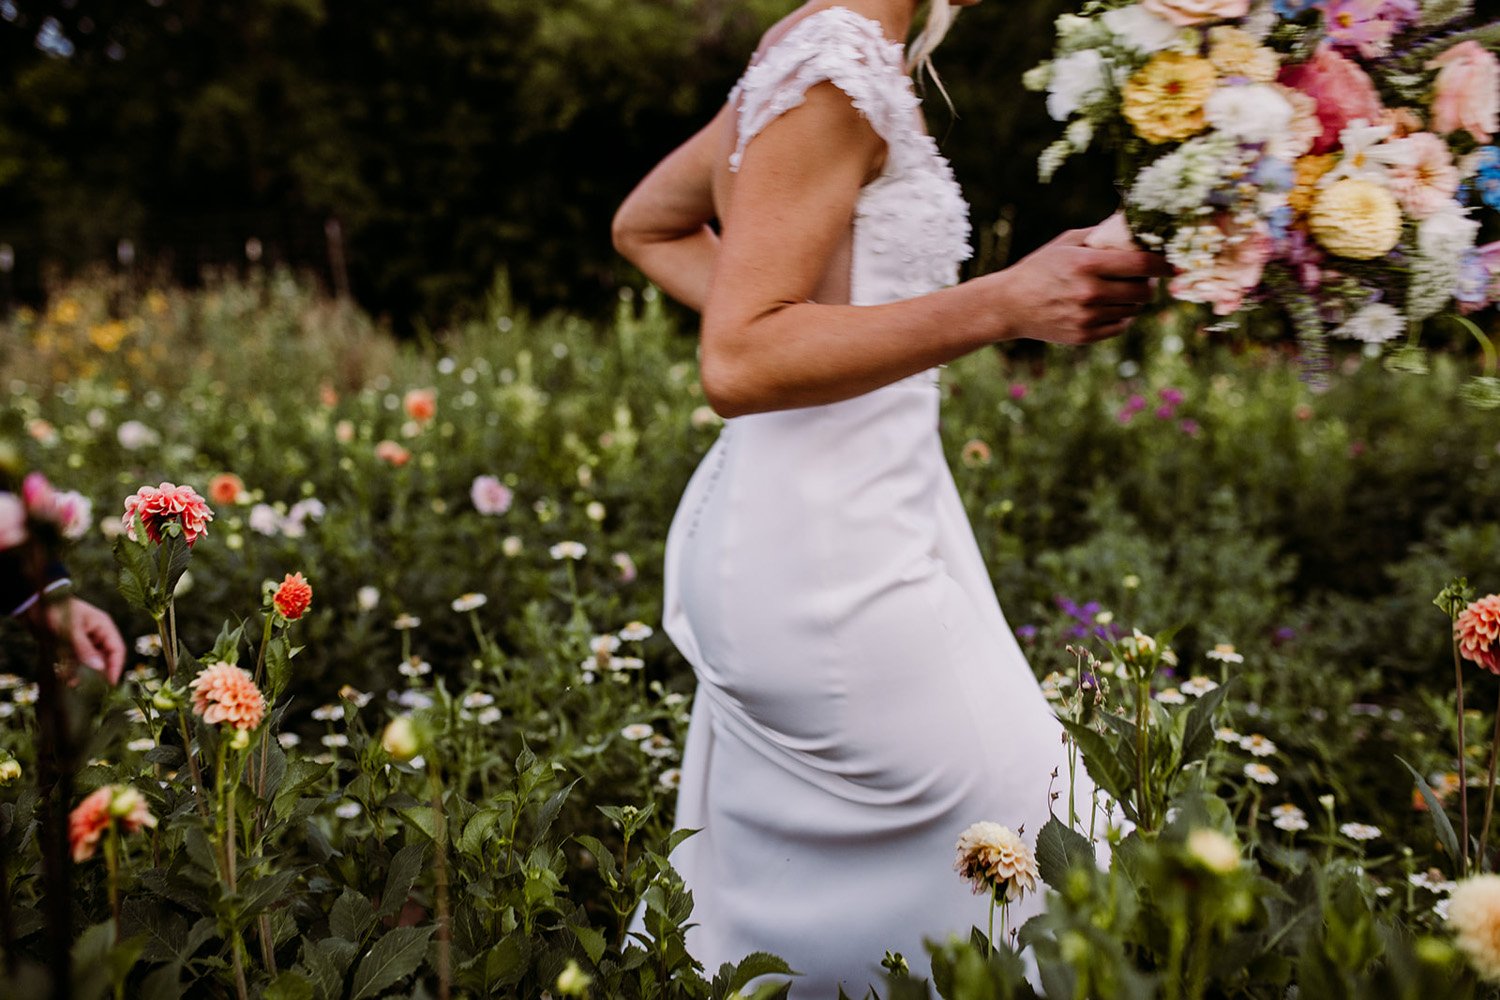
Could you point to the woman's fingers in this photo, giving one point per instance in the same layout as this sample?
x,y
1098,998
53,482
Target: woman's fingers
x,y
96,641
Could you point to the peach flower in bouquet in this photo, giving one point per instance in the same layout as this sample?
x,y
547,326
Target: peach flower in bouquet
x,y
1468,91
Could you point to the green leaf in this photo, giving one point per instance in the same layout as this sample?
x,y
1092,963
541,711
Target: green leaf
x,y
289,986
477,832
1443,827
405,867
1059,848
755,964
548,814
352,916
1103,764
505,963
261,893
394,957
1198,735
134,574
591,939
603,858
420,817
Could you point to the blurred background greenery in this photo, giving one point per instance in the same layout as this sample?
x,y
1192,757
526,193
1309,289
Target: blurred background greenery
x,y
430,145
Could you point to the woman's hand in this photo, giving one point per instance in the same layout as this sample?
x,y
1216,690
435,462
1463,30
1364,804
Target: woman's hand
x,y
1068,292
91,635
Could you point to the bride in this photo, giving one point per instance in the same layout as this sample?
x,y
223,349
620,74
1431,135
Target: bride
x,y
861,699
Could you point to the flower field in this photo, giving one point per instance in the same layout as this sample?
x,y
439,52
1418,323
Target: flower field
x,y
399,719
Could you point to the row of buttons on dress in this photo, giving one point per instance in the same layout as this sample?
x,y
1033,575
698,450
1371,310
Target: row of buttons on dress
x,y
721,447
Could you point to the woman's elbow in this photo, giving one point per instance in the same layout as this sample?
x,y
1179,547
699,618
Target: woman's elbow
x,y
624,235
724,383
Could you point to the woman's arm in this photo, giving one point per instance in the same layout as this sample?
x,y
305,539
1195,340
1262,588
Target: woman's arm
x,y
663,226
766,346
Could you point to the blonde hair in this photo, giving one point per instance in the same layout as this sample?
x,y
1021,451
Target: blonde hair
x,y
940,15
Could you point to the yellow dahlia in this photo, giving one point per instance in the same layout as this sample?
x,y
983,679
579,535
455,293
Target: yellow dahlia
x,y
1356,219
1236,53
1164,99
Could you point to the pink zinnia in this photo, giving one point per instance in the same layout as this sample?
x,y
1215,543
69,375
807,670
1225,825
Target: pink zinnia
x,y
226,693
1478,630
120,804
1343,91
490,495
158,505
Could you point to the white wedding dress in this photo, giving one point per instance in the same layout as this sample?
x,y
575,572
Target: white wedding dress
x,y
861,699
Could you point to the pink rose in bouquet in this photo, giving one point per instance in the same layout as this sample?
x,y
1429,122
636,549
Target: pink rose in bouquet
x,y
1343,91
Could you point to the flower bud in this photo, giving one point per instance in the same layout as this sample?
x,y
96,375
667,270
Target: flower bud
x,y
1213,850
572,981
165,699
240,740
125,802
10,771
401,739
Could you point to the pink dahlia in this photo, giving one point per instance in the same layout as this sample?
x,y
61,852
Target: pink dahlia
x,y
1367,25
1478,632
12,521
226,693
1343,91
119,804
421,404
158,505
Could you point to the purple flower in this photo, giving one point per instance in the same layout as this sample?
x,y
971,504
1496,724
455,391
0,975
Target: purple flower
x,y
1018,390
1166,411
1026,633
1284,634
1189,426
1366,25
1172,397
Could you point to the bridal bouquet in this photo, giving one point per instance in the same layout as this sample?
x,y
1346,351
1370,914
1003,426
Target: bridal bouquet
x,y
1326,158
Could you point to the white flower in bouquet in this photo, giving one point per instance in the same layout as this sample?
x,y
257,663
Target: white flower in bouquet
x,y
1376,323
1442,241
1076,77
1253,112
1137,29
1180,182
1367,154
1195,248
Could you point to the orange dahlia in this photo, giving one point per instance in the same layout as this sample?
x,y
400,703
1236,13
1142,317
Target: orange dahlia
x,y
293,597
421,404
225,488
226,693
1478,632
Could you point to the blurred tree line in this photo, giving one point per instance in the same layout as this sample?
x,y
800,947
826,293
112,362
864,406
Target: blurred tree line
x,y
421,149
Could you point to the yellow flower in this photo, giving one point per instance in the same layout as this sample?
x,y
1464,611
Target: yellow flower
x,y
1236,53
1305,187
156,302
66,311
107,336
1474,915
1356,219
1164,99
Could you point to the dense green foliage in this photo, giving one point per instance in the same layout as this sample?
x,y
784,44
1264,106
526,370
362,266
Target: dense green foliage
x,y
450,140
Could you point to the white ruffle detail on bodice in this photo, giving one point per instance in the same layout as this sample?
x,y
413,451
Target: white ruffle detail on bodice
x,y
911,224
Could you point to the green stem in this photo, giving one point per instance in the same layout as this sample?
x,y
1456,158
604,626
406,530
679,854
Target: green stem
x,y
1491,356
1142,743
1489,793
1463,765
990,933
440,872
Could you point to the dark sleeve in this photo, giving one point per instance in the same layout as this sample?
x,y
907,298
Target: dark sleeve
x,y
16,589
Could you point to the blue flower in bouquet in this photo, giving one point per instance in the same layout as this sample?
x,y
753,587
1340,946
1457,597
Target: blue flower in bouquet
x,y
1280,222
1488,180
1273,174
1289,9
1473,291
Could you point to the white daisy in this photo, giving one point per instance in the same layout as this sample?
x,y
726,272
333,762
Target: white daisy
x,y
604,643
568,550
288,740
488,716
469,602
1224,653
334,740
637,731
636,632
1197,687
141,745
1257,745
148,645
478,699
1170,696
415,667
1226,735
1261,773
1359,831
348,809
327,713
670,779
405,621
356,697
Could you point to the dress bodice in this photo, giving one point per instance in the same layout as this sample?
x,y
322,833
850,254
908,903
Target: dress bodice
x,y
911,224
